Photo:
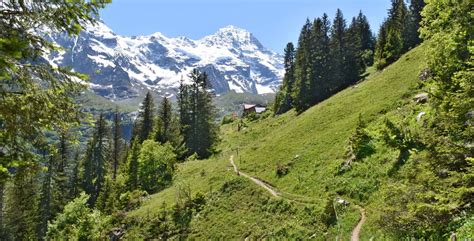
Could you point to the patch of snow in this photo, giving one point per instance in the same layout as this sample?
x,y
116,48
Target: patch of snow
x,y
100,59
261,89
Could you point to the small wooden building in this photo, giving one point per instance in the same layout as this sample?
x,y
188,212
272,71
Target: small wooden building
x,y
253,108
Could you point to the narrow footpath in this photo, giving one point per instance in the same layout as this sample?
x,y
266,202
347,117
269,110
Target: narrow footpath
x,y
356,231
267,187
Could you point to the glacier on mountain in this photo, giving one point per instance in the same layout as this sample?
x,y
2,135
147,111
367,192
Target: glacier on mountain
x,y
122,67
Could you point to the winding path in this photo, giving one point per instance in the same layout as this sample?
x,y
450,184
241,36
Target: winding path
x,y
356,231
267,187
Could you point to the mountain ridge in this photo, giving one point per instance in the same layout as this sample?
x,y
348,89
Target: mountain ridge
x,y
122,67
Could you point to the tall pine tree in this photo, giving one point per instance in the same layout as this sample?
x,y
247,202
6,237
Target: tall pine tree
x,y
413,23
320,60
146,117
391,43
22,204
133,165
303,70
96,160
165,116
197,115
117,143
45,207
283,99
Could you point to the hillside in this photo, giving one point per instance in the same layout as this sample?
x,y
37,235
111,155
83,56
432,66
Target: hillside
x,y
311,148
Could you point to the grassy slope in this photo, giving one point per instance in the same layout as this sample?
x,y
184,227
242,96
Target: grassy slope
x,y
313,145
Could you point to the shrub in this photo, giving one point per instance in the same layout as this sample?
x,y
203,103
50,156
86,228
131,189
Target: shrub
x,y
282,170
78,222
132,200
156,165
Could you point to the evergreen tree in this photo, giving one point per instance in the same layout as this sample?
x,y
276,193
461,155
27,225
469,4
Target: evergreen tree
x,y
45,207
36,96
146,117
303,70
22,205
365,32
354,65
395,32
108,198
74,178
364,42
338,51
117,143
169,128
165,116
320,60
283,99
132,170
96,160
413,23
197,112
380,57
60,189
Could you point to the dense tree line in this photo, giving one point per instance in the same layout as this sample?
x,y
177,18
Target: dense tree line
x,y
110,172
329,57
43,167
399,32
37,99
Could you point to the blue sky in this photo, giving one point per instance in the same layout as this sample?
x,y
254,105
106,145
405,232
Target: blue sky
x,y
273,22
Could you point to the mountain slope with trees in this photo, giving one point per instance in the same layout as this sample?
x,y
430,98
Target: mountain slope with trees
x,y
311,147
395,142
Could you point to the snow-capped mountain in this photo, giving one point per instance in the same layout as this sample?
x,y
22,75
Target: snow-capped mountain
x,y
122,67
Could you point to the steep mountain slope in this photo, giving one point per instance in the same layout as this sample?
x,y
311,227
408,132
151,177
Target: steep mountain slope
x,y
123,67
311,148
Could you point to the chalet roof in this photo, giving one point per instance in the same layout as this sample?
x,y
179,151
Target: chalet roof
x,y
248,106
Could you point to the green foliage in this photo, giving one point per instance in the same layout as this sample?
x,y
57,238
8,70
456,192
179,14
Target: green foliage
x,y
36,97
197,116
466,230
168,128
107,201
301,94
327,60
399,32
432,193
156,166
164,118
131,200
117,143
78,222
21,205
283,100
237,208
133,166
145,121
359,143
95,163
228,119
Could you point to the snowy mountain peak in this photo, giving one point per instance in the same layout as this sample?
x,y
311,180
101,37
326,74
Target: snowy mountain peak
x,y
234,30
100,29
233,37
122,67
